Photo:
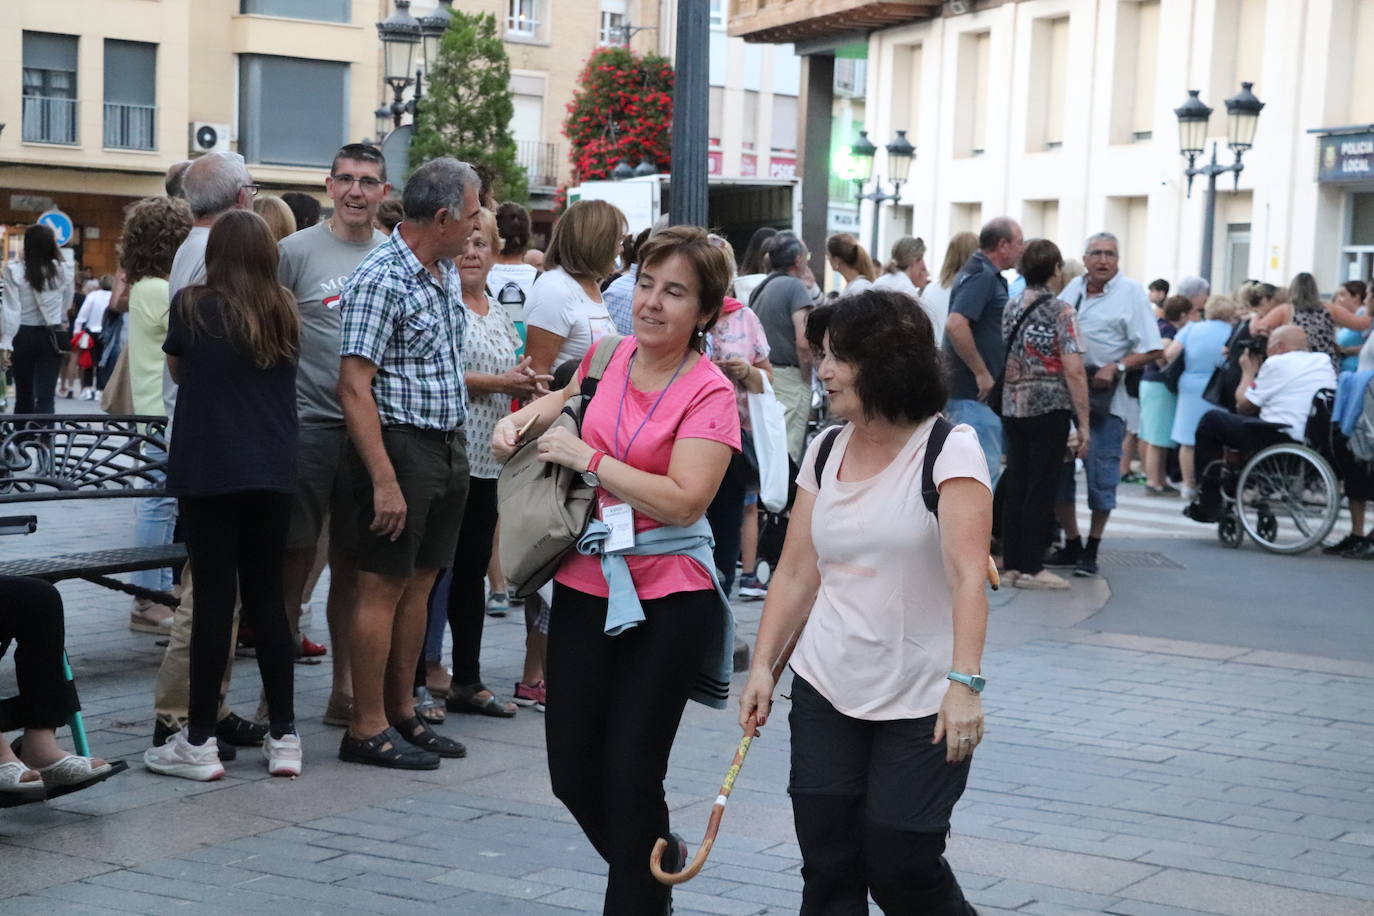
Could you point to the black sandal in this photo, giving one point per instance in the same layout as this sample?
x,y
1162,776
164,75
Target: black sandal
x,y
464,699
417,732
387,749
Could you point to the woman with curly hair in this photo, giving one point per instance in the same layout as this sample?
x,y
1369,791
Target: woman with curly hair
x,y
153,230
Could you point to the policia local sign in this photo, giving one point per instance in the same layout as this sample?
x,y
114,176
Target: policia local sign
x,y
1346,157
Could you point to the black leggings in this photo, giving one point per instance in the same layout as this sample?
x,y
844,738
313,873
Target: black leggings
x,y
35,370
467,599
237,544
1035,454
31,616
614,704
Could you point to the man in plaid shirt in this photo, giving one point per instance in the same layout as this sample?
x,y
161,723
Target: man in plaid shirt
x,y
401,384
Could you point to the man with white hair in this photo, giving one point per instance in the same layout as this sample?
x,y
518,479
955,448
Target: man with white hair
x,y
213,184
1273,400
1119,332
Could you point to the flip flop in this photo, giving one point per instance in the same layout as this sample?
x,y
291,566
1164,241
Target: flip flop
x,y
464,700
73,773
427,707
13,792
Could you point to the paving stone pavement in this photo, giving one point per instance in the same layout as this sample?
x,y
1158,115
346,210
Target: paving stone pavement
x,y
1122,774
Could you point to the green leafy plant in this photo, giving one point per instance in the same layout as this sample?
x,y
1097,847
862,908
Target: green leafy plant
x,y
467,109
622,109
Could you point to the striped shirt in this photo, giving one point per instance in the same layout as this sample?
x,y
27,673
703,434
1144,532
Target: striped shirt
x,y
408,324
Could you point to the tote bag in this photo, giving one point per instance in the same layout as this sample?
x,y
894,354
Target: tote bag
x,y
770,446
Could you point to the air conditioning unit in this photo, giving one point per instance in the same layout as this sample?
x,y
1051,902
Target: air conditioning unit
x,y
209,138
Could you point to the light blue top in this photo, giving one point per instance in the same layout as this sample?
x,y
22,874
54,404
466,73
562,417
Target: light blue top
x,y
624,611
1204,349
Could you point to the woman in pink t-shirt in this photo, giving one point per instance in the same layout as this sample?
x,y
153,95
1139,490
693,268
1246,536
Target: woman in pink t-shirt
x,y
657,438
885,690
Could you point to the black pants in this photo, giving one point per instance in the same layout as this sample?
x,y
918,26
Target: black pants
x,y
467,598
871,801
35,370
1217,430
31,616
614,705
237,544
1035,452
726,515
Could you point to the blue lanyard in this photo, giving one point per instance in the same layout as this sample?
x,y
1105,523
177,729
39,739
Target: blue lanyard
x,y
624,392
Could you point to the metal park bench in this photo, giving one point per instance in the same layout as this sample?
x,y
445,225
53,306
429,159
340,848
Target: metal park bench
x,y
44,458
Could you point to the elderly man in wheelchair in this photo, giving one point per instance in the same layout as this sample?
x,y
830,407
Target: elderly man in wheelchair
x,y
1279,490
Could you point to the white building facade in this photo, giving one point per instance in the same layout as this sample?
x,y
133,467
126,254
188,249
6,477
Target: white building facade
x,y
1060,113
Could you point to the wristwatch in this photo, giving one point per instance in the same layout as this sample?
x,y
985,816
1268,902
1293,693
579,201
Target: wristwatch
x,y
589,476
1121,367
974,682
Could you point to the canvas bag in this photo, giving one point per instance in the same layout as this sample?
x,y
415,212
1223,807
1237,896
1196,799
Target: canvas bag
x,y
769,427
545,507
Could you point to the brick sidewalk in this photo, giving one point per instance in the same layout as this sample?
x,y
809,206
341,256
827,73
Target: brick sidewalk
x,y
1121,775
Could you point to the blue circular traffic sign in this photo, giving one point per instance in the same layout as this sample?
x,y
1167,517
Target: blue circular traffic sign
x,y
60,224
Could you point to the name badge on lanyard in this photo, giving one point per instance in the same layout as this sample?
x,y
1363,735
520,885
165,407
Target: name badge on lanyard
x,y
620,518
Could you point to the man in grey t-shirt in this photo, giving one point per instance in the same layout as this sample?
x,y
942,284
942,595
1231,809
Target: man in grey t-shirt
x,y
315,265
782,303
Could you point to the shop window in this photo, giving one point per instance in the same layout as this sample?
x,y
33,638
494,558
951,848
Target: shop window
x,y
291,111
49,88
319,10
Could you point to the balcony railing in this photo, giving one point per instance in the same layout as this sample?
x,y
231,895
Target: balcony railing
x,y
130,126
49,120
540,161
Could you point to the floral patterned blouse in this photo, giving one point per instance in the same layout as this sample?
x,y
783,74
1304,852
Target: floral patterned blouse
x,y
1034,381
489,345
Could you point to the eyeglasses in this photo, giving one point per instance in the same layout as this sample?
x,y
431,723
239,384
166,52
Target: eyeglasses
x,y
1101,253
253,189
367,183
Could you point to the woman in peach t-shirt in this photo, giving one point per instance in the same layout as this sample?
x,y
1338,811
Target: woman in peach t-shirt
x,y
885,693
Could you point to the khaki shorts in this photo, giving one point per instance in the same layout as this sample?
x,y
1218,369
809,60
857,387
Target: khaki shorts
x,y
433,475
323,490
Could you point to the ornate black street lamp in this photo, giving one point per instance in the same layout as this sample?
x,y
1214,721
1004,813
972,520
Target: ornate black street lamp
x,y
400,34
900,154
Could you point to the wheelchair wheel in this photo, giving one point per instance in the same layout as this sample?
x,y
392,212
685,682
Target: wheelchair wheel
x,y
1229,531
1287,498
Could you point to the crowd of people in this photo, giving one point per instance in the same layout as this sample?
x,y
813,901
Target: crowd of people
x,y
344,388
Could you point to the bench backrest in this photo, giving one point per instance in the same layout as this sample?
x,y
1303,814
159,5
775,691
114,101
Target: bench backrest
x,y
71,456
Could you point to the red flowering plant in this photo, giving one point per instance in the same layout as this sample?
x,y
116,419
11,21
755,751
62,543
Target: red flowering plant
x,y
622,109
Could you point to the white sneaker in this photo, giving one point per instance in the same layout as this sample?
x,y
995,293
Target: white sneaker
x,y
283,754
179,757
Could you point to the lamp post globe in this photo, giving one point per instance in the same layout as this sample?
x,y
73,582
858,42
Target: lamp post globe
x,y
383,116
645,168
1193,116
1242,117
623,170
863,151
432,28
400,35
900,153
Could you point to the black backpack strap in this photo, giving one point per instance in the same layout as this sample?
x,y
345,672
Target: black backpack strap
x,y
753,296
602,351
823,452
934,445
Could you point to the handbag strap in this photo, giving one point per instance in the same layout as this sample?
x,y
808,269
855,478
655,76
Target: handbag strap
x,y
602,352
758,289
1021,320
